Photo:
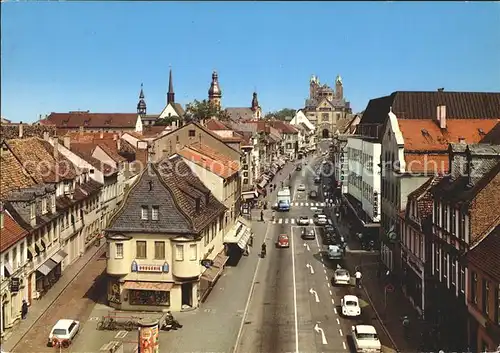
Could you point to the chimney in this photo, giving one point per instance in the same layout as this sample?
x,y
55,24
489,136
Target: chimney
x,y
56,148
67,142
198,205
81,130
101,134
461,140
118,144
115,137
442,116
20,129
46,135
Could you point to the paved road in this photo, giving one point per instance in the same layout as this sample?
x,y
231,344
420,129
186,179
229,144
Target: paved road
x,y
75,302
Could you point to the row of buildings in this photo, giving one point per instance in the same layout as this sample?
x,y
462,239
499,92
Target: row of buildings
x,y
168,199
420,176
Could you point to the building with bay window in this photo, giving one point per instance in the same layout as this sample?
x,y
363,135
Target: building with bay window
x,y
165,243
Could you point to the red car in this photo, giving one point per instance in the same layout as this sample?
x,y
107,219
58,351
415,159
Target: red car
x,y
283,241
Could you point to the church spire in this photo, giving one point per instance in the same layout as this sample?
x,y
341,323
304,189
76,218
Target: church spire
x,y
255,102
141,105
215,93
171,94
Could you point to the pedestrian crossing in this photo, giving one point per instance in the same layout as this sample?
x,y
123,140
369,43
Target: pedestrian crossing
x,y
289,221
308,204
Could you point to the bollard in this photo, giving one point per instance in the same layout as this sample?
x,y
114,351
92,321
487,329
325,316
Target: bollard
x,y
148,341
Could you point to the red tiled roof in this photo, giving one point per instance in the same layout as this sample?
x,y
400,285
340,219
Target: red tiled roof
x,y
215,166
214,125
485,256
221,165
426,135
10,233
424,198
284,127
85,150
427,163
92,120
14,176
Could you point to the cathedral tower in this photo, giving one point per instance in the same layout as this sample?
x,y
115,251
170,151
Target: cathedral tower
x,y
339,88
215,93
141,106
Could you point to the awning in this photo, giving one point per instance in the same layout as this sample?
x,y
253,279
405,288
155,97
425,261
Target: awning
x,y
212,273
46,267
32,251
9,268
239,234
263,183
220,260
59,256
249,195
155,286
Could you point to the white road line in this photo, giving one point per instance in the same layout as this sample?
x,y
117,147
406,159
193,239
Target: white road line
x,y
292,221
326,278
343,344
328,284
324,269
247,305
286,220
121,334
333,301
335,311
301,204
330,292
323,265
295,299
311,221
340,331
280,220
338,321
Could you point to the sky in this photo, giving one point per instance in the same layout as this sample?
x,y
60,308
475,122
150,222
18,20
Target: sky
x,y
65,56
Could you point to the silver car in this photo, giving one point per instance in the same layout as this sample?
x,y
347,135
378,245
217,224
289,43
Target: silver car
x,y
303,221
341,276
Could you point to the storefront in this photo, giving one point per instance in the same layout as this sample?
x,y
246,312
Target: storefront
x,y
238,241
360,221
13,291
48,271
413,288
214,269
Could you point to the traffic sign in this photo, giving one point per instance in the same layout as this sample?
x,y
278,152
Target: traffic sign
x,y
389,288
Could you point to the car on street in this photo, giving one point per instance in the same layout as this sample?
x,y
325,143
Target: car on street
x,y
298,167
63,330
320,220
313,194
301,187
308,234
317,180
350,306
365,339
324,153
303,221
341,276
283,241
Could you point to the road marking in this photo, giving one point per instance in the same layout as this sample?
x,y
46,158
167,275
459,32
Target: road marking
x,y
335,311
340,331
323,265
121,334
312,291
343,344
309,267
292,221
326,278
295,299
328,285
307,204
307,247
249,299
286,220
280,220
301,204
311,221
94,318
107,347
320,330
324,270
333,301
330,291
338,321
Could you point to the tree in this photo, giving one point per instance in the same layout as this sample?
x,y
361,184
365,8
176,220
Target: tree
x,y
168,120
197,111
281,114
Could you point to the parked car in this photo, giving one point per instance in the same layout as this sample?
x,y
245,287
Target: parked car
x,y
341,276
350,306
283,241
298,167
320,220
303,221
317,180
365,339
63,330
309,234
301,187
313,194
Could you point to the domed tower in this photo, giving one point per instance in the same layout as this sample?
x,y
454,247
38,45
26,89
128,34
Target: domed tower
x,y
339,88
215,93
141,105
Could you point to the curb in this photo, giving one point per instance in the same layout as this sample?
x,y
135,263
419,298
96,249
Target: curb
x,y
97,254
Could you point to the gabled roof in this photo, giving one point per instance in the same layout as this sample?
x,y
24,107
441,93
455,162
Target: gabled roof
x,y
423,197
91,120
11,233
493,136
209,161
240,114
14,176
485,255
85,151
214,125
171,186
284,127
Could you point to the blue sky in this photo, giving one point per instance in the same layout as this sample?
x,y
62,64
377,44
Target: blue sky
x,y
93,56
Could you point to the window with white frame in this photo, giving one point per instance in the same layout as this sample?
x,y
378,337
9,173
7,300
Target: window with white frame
x,y
144,213
44,206
179,252
193,255
155,213
33,210
119,251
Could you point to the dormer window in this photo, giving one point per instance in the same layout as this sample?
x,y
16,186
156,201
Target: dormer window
x,y
44,206
155,214
144,213
33,210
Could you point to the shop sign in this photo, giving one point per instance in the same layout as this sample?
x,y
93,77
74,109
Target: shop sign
x,y
15,282
150,268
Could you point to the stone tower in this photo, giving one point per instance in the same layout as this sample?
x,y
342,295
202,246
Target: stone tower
x,y
141,105
339,88
255,102
215,93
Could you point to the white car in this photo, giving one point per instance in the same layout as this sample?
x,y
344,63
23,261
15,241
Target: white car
x,y
321,220
365,339
341,276
301,187
303,221
350,306
64,330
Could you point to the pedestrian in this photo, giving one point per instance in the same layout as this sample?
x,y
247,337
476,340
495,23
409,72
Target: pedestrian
x,y
358,276
24,309
262,216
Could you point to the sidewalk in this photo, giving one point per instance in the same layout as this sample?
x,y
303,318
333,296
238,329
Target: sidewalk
x,y
39,307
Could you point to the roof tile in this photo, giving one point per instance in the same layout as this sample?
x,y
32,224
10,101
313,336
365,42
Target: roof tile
x,y
485,255
92,120
11,233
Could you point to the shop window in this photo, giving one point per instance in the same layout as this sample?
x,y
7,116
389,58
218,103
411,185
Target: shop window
x,y
140,249
179,252
119,251
473,287
193,252
149,297
144,213
159,250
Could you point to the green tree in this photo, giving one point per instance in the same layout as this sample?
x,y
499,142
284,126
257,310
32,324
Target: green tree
x,y
281,114
168,120
198,111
